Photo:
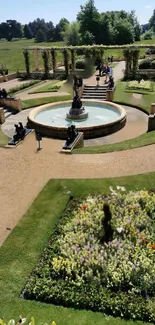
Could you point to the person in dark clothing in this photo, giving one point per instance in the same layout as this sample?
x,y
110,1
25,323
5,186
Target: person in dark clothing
x,y
99,67
4,93
111,83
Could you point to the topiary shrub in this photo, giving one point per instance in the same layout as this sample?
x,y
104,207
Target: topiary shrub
x,y
80,64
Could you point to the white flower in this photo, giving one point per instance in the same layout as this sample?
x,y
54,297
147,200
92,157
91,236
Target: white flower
x,y
112,190
119,229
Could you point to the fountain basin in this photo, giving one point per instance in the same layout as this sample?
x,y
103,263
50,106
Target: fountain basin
x,y
104,118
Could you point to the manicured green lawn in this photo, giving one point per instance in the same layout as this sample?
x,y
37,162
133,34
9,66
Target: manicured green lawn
x,y
143,102
21,251
4,139
28,103
11,54
141,141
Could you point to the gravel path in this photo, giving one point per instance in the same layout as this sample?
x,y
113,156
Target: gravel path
x,y
24,172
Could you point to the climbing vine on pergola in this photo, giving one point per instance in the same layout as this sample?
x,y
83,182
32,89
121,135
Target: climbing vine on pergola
x,y
131,56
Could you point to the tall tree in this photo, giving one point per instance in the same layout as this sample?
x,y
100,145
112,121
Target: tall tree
x,y
60,28
71,34
152,21
50,31
27,32
89,19
10,29
124,32
107,32
40,35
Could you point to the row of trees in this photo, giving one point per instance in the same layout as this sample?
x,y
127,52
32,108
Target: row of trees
x,y
38,29
91,27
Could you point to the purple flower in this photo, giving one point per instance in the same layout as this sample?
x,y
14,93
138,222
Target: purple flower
x,y
81,259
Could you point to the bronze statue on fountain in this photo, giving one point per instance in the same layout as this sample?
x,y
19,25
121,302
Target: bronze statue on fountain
x,y
77,111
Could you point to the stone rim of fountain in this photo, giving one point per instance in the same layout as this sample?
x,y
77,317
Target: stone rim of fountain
x,y
89,131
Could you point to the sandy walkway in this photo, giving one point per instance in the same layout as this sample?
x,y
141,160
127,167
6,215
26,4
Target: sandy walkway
x,y
24,172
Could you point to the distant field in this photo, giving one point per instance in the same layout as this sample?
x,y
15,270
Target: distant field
x,y
11,53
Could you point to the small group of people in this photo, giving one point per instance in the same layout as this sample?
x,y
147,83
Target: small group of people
x,y
3,93
20,132
104,69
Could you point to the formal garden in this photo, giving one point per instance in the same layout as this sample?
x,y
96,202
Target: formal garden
x,y
84,251
83,259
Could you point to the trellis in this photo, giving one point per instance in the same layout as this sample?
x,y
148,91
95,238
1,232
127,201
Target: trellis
x,y
131,56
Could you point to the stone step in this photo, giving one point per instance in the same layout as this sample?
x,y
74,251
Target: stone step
x,y
94,87
94,97
94,92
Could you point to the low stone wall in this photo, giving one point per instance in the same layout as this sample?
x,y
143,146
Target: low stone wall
x,y
89,132
12,103
2,115
109,95
146,71
8,77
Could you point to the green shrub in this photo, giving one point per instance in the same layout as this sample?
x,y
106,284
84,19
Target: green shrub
x,y
23,86
147,35
145,64
80,64
153,64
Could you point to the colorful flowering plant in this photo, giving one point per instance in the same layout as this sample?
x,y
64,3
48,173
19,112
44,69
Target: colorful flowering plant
x,y
78,259
142,85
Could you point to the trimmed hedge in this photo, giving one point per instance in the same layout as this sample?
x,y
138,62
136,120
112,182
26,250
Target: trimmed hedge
x,y
80,64
146,64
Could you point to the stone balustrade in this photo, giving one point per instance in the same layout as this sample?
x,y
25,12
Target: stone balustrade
x,y
109,95
12,103
151,119
8,77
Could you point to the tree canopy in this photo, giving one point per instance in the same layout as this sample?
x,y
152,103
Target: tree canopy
x,y
90,27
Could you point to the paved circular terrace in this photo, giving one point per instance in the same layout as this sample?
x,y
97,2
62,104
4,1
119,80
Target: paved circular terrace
x,y
24,171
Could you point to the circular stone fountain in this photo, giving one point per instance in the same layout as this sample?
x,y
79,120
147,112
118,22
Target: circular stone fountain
x,y
52,120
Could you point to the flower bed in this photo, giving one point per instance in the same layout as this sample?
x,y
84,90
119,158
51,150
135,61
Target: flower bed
x,y
101,257
142,85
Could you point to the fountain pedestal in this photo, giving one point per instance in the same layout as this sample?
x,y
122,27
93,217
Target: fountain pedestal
x,y
77,112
